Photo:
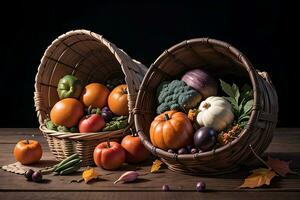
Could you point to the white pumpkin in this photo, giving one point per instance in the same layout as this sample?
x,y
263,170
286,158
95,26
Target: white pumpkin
x,y
215,112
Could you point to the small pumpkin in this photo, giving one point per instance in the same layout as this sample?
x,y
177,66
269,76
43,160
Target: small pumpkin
x,y
118,100
171,130
215,112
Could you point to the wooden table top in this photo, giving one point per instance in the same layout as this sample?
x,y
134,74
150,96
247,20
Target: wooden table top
x,y
285,146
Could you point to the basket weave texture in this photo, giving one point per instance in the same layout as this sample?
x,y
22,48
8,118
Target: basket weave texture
x,y
223,61
91,58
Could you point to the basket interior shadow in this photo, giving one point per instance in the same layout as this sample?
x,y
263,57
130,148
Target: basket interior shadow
x,y
91,58
224,62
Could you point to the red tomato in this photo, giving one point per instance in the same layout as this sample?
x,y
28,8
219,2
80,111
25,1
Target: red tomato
x,y
109,155
91,123
134,148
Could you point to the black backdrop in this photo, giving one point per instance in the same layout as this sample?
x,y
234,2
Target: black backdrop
x,y
143,30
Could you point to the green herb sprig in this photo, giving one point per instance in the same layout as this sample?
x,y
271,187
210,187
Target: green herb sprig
x,y
240,100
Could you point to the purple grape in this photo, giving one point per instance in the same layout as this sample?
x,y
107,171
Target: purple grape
x,y
205,138
165,188
182,151
200,187
170,151
194,150
189,148
106,114
105,108
28,174
37,176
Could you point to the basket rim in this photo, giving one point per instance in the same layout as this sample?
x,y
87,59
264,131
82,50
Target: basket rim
x,y
254,113
81,136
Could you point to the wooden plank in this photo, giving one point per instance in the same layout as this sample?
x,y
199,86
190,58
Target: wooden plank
x,y
211,195
285,145
149,182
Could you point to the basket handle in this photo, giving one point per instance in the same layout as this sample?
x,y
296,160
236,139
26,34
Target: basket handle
x,y
265,76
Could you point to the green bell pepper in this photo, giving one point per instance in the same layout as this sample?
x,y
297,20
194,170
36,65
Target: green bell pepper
x,y
69,87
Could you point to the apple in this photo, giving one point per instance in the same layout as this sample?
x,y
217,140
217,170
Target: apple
x,y
109,155
134,148
91,123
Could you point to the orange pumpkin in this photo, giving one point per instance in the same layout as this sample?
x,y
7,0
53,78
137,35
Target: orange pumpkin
x,y
95,95
28,151
66,112
171,130
118,100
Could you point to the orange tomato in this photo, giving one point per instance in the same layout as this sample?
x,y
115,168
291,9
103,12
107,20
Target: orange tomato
x,y
28,151
118,100
95,95
67,112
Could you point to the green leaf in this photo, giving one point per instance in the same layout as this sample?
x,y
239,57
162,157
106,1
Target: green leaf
x,y
236,92
247,107
243,124
246,92
227,89
243,118
246,88
241,106
231,100
234,104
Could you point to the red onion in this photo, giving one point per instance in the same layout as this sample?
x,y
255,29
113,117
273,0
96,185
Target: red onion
x,y
201,81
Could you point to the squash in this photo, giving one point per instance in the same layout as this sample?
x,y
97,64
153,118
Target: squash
x,y
171,130
215,112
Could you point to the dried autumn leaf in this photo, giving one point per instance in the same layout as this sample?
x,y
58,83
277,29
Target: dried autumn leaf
x,y
89,174
279,166
259,177
156,166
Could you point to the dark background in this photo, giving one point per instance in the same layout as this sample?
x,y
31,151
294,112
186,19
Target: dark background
x,y
260,29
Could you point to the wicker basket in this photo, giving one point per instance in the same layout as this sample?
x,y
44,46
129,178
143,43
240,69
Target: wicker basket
x,y
91,58
222,61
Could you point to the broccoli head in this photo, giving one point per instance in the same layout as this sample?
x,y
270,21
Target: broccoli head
x,y
176,95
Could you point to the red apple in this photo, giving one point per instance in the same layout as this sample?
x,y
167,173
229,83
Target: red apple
x,y
109,155
91,123
134,148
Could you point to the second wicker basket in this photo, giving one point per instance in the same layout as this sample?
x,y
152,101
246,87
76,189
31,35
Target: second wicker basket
x,y
91,58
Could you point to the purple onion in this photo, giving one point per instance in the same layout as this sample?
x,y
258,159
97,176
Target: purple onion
x,y
201,81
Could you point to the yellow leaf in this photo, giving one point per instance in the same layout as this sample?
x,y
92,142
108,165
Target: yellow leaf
x,y
259,177
89,174
156,165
